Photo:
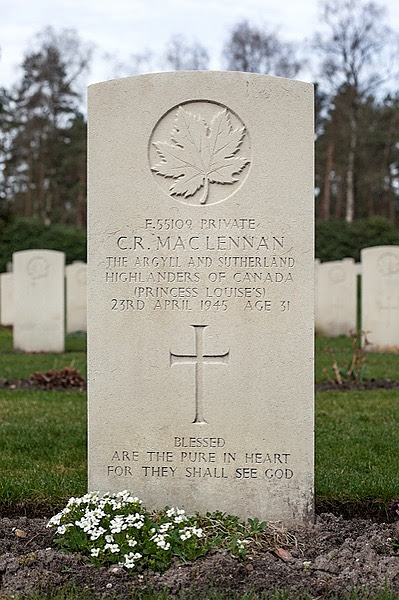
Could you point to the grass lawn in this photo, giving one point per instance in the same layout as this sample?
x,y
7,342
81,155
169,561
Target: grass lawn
x,y
43,434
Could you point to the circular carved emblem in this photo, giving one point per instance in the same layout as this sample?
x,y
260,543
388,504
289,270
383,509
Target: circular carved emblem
x,y
37,267
388,264
336,274
199,153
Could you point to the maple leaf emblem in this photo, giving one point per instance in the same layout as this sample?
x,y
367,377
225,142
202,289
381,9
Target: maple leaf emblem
x,y
200,154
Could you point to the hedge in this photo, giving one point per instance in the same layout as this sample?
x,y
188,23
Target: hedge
x,y
21,234
334,239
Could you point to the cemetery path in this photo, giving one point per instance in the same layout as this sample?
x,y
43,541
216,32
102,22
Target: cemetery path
x,y
333,556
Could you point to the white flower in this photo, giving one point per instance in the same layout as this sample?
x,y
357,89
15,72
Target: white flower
x,y
197,531
84,524
55,521
96,533
180,519
113,548
109,539
61,529
132,543
160,541
95,552
117,524
130,560
132,520
163,545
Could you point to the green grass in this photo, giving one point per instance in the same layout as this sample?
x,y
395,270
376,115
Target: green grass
x,y
378,366
18,365
42,447
357,446
43,434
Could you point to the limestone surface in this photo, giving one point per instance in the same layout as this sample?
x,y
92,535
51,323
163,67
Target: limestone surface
x,y
200,292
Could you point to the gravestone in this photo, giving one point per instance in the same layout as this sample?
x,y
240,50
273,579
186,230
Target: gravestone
x,y
76,296
6,299
39,301
317,264
336,297
200,290
380,297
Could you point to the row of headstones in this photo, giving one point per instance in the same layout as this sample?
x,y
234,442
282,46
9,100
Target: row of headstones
x,y
34,296
336,297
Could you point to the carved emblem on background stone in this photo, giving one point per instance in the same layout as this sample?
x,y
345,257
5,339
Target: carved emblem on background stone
x,y
200,146
336,274
388,264
37,267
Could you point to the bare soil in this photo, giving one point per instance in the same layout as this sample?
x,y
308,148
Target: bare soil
x,y
66,378
332,557
365,385
69,379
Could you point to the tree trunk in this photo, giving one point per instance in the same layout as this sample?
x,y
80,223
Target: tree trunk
x,y
391,202
39,195
326,199
81,217
28,195
350,173
48,208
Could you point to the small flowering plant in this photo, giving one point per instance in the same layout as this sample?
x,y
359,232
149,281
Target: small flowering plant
x,y
115,528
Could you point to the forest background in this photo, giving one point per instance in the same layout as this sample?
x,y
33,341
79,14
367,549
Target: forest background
x,y
43,127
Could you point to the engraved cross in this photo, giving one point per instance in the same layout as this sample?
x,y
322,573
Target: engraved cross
x,y
199,359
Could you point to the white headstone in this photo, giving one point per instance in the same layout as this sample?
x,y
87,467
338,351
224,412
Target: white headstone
x,y
336,297
380,297
6,299
39,301
201,292
76,297
316,288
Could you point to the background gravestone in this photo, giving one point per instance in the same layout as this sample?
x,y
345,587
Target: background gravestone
x,y
76,297
201,292
39,301
317,264
336,297
6,299
380,297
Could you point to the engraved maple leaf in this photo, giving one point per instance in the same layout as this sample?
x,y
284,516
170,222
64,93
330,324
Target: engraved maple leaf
x,y
200,154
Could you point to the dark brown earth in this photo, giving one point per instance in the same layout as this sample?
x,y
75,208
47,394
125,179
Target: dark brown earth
x,y
366,385
69,379
66,378
332,557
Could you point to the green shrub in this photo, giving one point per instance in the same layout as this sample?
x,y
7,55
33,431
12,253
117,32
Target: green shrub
x,y
337,239
22,234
